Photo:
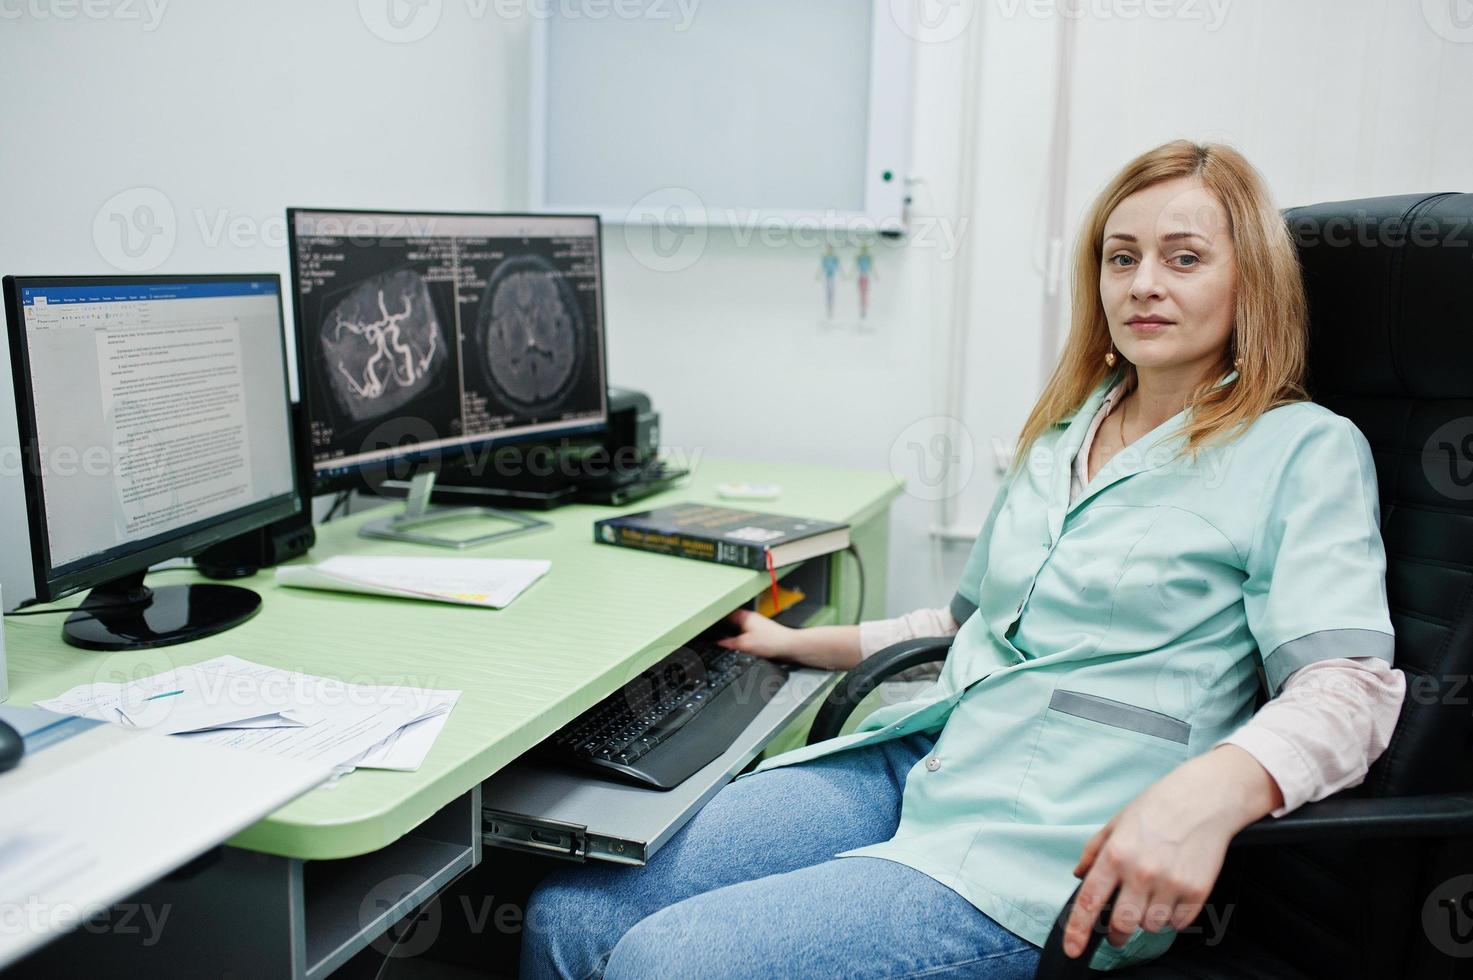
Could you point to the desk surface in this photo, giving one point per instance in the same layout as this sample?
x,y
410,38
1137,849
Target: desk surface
x,y
600,616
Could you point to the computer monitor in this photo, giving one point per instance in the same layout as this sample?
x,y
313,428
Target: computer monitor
x,y
154,422
427,338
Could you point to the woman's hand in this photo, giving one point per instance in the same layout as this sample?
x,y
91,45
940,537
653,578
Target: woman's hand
x,y
761,637
824,647
1166,848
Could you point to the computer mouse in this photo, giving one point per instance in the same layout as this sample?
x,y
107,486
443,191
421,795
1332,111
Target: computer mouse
x,y
12,747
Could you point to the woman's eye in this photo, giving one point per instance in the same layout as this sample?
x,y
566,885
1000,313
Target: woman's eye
x,y
1187,259
1120,259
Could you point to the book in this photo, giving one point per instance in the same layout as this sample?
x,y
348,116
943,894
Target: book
x,y
770,604
489,582
724,535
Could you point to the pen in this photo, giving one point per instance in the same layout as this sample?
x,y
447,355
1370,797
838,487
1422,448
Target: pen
x,y
166,694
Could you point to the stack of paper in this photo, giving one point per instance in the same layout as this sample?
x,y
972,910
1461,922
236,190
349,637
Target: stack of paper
x,y
234,702
490,582
194,698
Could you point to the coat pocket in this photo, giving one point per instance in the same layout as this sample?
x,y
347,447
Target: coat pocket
x,y
1118,714
1092,756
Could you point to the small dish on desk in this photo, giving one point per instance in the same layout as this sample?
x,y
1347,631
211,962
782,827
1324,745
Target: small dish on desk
x,y
748,491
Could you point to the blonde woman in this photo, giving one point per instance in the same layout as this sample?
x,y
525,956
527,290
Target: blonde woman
x,y
1181,527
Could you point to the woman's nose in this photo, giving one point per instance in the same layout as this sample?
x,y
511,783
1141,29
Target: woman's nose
x,y
1147,282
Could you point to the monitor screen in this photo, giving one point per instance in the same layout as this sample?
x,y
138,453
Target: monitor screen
x,y
426,336
155,415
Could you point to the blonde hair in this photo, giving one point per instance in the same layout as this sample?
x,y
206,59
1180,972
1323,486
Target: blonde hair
x,y
1270,321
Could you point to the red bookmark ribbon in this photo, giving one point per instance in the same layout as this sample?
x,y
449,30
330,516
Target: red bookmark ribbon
x,y
772,573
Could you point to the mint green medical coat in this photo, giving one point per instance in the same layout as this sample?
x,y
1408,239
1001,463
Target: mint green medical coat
x,y
1104,643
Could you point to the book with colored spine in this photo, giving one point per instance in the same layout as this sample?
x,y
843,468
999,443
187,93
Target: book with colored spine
x,y
724,535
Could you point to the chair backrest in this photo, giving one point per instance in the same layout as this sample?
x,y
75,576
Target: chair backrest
x,y
1390,284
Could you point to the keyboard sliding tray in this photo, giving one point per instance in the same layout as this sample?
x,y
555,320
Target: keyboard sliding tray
x,y
564,813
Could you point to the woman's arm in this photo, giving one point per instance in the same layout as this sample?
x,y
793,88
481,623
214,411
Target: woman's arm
x,y
1329,722
825,647
875,635
832,647
1166,848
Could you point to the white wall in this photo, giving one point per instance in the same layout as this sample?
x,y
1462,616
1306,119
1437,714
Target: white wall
x,y
239,110
1330,99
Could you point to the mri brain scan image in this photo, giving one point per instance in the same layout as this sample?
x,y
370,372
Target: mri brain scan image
x,y
382,344
531,328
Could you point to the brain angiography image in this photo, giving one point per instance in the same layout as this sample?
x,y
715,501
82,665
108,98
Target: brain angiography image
x,y
382,344
531,333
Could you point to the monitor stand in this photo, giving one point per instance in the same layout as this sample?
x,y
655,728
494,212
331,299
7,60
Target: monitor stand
x,y
125,614
418,514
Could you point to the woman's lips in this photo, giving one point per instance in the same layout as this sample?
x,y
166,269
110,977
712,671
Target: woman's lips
x,y
1148,327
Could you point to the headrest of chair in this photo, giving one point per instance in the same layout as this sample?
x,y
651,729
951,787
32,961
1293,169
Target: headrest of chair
x,y
1390,284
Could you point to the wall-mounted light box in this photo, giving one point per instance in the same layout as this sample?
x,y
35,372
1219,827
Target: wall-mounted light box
x,y
722,112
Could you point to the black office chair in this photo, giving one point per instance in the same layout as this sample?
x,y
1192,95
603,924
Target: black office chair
x,y
1375,882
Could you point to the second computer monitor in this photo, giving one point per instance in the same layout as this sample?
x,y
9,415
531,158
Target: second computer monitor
x,y
430,336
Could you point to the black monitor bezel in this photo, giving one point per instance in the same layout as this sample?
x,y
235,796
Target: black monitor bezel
x,y
108,566
367,476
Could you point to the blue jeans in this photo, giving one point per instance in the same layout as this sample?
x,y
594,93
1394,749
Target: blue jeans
x,y
750,887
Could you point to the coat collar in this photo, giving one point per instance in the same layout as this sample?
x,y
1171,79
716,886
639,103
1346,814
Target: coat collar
x,y
1095,398
1151,450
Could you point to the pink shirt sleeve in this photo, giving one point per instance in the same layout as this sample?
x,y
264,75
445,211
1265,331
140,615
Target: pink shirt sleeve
x,y
877,634
1329,722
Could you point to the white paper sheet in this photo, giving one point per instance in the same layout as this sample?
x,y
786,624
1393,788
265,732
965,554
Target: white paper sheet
x,y
346,719
405,750
239,704
186,699
32,859
488,582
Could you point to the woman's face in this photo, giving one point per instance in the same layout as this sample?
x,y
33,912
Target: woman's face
x,y
1168,277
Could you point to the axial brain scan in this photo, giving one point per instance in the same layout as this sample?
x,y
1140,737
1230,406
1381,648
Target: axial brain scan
x,y
461,330
382,344
530,328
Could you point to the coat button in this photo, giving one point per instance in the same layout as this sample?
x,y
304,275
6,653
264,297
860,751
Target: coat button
x,y
933,763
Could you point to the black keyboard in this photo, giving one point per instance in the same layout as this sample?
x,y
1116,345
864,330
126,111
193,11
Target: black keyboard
x,y
673,718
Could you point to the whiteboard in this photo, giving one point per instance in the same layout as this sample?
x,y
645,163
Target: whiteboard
x,y
723,109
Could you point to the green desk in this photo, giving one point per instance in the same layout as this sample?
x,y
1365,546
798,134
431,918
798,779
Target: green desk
x,y
600,616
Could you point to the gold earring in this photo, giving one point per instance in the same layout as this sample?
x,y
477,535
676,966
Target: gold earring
x,y
1110,356
1237,364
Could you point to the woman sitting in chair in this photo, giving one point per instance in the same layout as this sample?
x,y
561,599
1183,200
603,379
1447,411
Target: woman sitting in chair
x,y
1180,526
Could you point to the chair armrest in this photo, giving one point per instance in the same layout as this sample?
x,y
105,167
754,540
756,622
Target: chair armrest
x,y
854,686
1053,964
1443,815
